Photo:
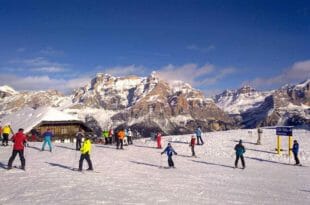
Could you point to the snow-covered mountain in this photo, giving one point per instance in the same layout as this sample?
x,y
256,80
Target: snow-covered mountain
x,y
238,101
151,104
288,105
143,103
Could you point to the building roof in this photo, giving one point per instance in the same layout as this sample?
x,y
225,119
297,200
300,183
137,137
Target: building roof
x,y
27,118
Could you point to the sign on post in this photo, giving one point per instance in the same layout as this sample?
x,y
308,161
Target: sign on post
x,y
284,131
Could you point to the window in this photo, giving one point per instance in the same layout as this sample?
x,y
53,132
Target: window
x,y
64,131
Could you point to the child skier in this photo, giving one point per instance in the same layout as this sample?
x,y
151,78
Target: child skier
x,y
6,131
192,145
158,139
85,154
240,150
47,139
19,140
170,151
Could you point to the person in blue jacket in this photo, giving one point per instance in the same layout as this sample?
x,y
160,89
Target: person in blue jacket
x,y
198,133
240,150
47,136
170,151
295,152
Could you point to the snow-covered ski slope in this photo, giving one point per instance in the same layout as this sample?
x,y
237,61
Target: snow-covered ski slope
x,y
134,175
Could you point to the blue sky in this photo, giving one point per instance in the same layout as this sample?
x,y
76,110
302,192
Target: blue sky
x,y
213,45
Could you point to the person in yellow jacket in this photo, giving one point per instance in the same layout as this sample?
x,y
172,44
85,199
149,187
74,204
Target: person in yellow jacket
x,y
6,131
121,136
85,154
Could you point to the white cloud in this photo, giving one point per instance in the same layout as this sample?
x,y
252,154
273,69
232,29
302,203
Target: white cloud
x,y
43,82
49,51
299,71
195,47
123,70
38,64
193,74
20,50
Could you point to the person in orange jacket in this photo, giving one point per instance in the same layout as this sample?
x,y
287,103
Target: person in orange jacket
x,y
121,136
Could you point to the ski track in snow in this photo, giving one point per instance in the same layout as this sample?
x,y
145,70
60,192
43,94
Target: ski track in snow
x,y
136,175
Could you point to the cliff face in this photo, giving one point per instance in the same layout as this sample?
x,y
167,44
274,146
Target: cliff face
x,y
289,105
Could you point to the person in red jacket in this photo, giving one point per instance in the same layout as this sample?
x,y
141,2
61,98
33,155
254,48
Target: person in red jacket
x,y
19,140
192,145
158,138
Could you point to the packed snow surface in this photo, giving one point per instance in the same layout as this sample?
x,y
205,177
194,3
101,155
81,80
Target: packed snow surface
x,y
136,175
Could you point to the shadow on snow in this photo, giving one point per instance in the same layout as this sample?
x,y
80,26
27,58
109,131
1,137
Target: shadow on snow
x,y
146,164
59,165
209,163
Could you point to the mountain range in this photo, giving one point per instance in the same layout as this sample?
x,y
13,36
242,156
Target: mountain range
x,y
150,104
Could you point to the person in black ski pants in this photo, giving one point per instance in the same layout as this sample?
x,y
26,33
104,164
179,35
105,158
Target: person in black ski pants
x,y
170,151
240,150
295,152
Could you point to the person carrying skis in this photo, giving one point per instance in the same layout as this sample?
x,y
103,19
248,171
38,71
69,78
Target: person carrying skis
x,y
198,133
47,139
79,135
295,150
170,151
158,139
192,145
85,154
19,140
240,150
129,136
6,131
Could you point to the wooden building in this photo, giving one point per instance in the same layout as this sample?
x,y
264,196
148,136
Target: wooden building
x,y
63,130
63,125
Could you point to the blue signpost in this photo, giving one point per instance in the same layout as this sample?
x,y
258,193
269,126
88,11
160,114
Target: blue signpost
x,y
284,131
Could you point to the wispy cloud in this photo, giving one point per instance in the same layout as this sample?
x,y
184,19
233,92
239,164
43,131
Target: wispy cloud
x,y
43,82
193,74
299,71
195,47
123,70
38,64
49,51
20,50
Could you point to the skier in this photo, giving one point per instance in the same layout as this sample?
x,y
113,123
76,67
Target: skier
x,y
19,140
158,139
6,131
192,145
121,136
129,136
105,135
170,151
240,150
79,135
295,152
85,154
110,136
47,139
198,135
259,136
34,134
